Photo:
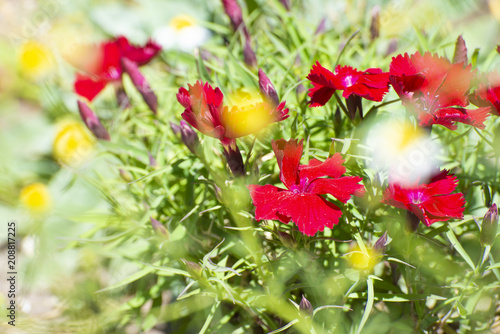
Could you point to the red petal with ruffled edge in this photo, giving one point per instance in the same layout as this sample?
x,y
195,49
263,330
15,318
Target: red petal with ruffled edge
x,y
341,188
288,154
324,85
310,212
87,87
331,167
267,200
141,55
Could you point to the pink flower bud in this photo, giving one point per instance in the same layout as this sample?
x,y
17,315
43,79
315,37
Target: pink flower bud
x,y
233,10
234,158
158,227
489,226
140,84
92,121
306,306
188,135
267,89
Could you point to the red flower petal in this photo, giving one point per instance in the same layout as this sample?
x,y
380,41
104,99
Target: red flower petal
x,y
267,200
87,87
311,213
331,167
138,54
341,188
288,154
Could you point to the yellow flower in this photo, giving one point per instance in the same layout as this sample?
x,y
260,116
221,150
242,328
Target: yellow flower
x,y
36,197
246,113
72,144
35,59
494,8
363,260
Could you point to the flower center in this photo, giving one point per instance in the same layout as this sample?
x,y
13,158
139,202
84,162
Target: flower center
x,y
182,21
349,81
301,187
417,197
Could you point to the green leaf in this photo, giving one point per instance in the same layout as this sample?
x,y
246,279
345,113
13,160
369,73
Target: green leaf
x,y
454,241
369,305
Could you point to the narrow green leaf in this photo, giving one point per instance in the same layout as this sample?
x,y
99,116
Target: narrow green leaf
x,y
454,241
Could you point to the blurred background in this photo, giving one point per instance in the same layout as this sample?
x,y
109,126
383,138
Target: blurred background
x,y
50,163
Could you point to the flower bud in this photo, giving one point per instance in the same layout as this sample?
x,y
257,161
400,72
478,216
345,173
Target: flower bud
x,y
305,306
489,226
234,13
234,159
188,135
158,227
152,161
194,269
140,84
249,55
286,239
92,121
375,23
122,97
355,108
286,4
460,55
321,27
267,89
381,244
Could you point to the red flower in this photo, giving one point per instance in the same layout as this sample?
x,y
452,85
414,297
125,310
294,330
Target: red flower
x,y
435,90
371,84
206,112
430,202
301,201
106,64
488,93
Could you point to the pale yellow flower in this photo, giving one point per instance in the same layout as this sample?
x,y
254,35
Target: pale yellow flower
x,y
35,59
72,144
363,260
36,198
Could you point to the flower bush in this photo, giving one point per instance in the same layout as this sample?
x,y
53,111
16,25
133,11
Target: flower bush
x,y
308,218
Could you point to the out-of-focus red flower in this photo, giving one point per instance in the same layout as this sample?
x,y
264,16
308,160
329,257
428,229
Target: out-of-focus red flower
x,y
430,202
371,84
488,92
206,112
106,66
435,90
301,201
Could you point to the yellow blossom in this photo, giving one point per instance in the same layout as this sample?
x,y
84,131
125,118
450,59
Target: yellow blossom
x,y
72,143
35,59
36,197
363,260
246,113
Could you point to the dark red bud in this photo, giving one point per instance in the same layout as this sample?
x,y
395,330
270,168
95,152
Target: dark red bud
x,y
234,159
375,23
460,55
233,11
140,84
92,121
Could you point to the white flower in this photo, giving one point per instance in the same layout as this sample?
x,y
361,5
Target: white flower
x,y
182,33
405,151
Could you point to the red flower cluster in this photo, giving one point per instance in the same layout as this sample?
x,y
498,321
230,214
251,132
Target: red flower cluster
x,y
107,64
430,202
435,90
371,84
301,201
205,111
